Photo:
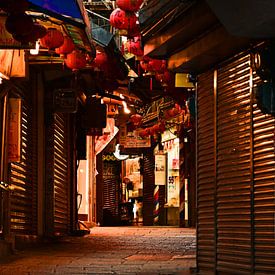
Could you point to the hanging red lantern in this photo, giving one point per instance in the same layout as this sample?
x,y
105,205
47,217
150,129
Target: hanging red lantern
x,y
162,127
157,65
14,6
144,63
134,46
132,31
19,23
76,60
38,31
136,119
53,39
129,5
143,133
101,59
123,20
166,78
67,47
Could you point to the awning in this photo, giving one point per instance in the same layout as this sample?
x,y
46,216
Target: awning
x,y
67,10
70,12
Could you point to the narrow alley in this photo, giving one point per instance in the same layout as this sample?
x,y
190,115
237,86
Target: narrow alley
x,y
110,250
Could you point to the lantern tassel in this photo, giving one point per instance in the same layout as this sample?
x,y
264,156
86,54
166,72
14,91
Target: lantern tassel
x,y
151,83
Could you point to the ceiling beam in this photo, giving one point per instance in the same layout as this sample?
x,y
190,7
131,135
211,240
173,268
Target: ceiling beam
x,y
180,32
210,49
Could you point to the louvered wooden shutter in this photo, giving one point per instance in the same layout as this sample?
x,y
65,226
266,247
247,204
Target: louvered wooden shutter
x,y
23,174
205,175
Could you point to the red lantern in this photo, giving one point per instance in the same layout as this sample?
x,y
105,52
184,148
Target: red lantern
x,y
75,60
132,31
134,46
53,39
20,24
143,133
162,127
157,65
38,31
101,59
136,119
129,5
123,20
14,6
144,63
67,47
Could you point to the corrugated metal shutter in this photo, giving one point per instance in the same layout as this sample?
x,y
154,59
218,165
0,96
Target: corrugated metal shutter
x,y
205,174
23,174
236,174
148,187
264,190
233,168
61,175
111,183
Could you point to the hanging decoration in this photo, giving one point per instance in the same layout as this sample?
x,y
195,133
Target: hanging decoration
x,y
123,20
37,32
101,59
126,22
67,47
136,120
157,65
133,46
129,5
14,6
19,24
53,39
76,60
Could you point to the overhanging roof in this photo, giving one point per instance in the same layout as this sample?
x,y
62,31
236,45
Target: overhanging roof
x,y
67,10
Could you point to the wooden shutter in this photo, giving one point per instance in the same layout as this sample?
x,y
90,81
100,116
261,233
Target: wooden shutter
x,y
23,174
205,174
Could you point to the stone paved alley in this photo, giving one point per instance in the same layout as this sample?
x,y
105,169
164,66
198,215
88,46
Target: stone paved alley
x,y
110,250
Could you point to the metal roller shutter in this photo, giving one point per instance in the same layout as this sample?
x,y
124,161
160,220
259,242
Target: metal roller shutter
x,y
264,190
205,174
148,187
23,174
233,168
61,175
111,183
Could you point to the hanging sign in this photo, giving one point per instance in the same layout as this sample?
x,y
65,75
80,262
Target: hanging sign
x,y
14,130
160,169
12,63
132,140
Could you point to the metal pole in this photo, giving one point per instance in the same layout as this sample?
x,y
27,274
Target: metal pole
x,y
92,179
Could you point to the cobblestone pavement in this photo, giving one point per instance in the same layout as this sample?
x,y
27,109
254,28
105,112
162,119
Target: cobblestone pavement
x,y
110,250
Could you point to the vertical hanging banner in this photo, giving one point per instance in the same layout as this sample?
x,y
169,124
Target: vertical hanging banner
x,y
14,130
160,169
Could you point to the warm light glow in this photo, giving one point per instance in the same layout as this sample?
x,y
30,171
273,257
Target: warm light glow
x,y
118,155
125,108
36,50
